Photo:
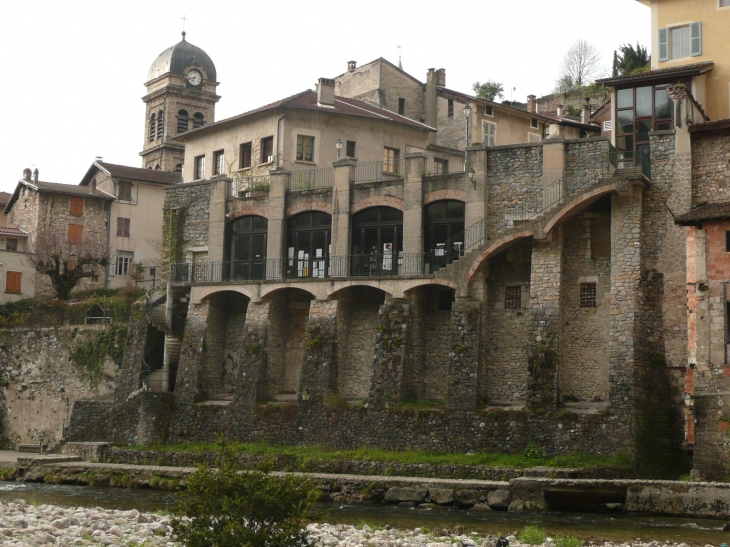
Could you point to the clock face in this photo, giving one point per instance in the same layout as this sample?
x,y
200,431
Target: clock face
x,y
194,77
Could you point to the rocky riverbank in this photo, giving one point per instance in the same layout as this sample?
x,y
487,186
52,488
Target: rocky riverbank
x,y
24,524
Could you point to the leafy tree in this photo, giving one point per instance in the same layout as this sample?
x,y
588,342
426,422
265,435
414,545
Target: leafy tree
x,y
229,507
581,64
631,60
489,90
67,263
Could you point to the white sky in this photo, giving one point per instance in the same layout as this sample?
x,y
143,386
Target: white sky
x,y
76,69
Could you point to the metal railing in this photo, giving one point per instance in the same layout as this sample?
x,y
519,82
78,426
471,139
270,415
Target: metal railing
x,y
379,265
230,270
628,159
307,267
155,306
443,164
312,178
373,171
243,186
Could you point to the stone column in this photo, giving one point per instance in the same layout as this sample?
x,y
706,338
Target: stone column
x,y
341,221
252,360
318,367
390,353
553,161
462,389
626,217
276,238
217,229
477,192
191,354
413,207
545,285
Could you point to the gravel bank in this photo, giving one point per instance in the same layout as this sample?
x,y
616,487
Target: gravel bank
x,y
28,525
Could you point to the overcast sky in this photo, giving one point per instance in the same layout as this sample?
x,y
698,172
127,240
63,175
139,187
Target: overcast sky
x,y
75,70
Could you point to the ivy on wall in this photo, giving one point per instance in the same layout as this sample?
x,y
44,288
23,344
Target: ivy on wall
x,y
172,235
89,356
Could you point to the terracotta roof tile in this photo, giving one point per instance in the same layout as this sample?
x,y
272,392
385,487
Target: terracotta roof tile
x,y
12,231
708,211
141,174
69,189
5,197
682,70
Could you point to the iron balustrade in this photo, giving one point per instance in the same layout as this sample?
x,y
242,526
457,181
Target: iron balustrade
x,y
443,164
230,270
241,186
379,265
307,267
312,178
373,171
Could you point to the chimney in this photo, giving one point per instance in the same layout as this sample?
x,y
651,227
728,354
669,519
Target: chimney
x,y
92,186
26,174
351,66
532,103
441,77
35,175
560,110
98,159
431,102
326,93
585,114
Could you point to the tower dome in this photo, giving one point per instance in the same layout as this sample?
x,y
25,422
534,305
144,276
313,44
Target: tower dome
x,y
177,58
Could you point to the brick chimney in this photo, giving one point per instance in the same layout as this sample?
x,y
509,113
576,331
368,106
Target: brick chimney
x,y
326,93
532,103
441,77
27,174
560,111
35,175
92,186
351,66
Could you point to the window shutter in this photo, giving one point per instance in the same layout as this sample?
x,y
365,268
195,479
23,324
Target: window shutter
x,y
13,281
75,233
120,226
126,227
77,206
663,44
696,31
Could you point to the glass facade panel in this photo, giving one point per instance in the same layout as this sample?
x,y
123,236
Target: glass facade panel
x,y
626,121
642,130
662,105
625,98
643,102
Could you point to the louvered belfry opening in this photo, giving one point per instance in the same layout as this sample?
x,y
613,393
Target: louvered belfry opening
x,y
198,120
182,121
152,127
160,124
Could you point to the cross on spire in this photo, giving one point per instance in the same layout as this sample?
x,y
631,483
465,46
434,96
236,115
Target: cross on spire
x,y
184,19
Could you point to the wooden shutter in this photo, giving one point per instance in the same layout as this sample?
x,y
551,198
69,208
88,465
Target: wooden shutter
x,y
663,44
77,206
696,34
122,227
75,232
13,281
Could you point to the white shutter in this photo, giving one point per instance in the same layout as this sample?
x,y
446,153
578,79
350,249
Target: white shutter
x,y
663,44
490,131
607,125
696,29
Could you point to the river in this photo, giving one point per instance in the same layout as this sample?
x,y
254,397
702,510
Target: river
x,y
614,526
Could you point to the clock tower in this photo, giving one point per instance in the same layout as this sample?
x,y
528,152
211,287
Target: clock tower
x,y
181,96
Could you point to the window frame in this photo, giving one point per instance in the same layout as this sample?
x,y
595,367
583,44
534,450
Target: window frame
x,y
489,111
76,206
123,262
199,167
7,244
588,295
304,142
723,6
391,160
267,158
219,162
513,297
401,106
450,108
493,137
124,190
123,227
19,277
534,124
686,27
245,155
351,149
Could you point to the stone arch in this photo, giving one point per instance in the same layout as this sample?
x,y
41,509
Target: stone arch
x,y
442,195
204,293
322,206
272,291
339,287
497,247
377,201
423,283
247,210
580,202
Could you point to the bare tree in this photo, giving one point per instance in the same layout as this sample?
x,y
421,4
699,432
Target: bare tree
x,y
581,64
66,263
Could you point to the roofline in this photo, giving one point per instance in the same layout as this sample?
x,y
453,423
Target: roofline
x,y
717,125
100,194
647,3
87,177
650,75
383,59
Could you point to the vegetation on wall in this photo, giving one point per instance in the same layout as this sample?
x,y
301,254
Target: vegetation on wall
x,y
89,356
172,235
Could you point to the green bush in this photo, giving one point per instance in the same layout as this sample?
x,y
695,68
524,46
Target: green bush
x,y
226,507
567,541
532,535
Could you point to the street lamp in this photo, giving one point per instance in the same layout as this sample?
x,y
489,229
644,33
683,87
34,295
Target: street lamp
x,y
689,401
467,115
338,145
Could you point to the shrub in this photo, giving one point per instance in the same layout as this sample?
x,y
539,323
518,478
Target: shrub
x,y
567,541
226,507
532,535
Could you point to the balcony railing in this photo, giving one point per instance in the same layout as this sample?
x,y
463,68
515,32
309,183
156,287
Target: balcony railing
x,y
373,171
443,164
312,178
242,187
361,265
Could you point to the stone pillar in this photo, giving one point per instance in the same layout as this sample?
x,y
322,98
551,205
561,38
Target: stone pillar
x,y
553,163
462,390
318,367
276,238
341,221
545,285
390,353
217,228
253,356
191,354
477,193
413,206
626,217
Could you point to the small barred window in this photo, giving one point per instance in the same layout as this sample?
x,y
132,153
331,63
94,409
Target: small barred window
x,y
513,298
587,295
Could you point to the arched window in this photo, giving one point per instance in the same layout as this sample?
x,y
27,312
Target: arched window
x,y
152,127
160,124
178,168
377,242
444,231
182,121
157,167
308,242
247,248
198,120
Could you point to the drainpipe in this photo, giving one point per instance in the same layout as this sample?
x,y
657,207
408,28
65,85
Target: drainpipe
x,y
108,239
276,164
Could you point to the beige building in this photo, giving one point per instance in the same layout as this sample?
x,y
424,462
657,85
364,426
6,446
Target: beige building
x,y
694,33
135,230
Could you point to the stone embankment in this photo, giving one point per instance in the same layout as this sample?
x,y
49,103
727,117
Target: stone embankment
x,y
23,524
